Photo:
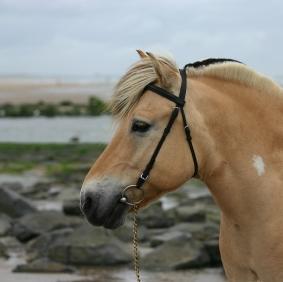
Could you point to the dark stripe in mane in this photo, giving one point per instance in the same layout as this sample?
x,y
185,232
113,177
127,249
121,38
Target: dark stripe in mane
x,y
211,61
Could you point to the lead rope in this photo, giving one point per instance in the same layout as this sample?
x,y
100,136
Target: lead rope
x,y
180,102
136,244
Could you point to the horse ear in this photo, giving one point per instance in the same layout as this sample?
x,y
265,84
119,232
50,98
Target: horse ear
x,y
157,66
141,54
164,73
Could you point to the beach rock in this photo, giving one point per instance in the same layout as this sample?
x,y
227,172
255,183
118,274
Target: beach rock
x,y
167,236
179,253
40,190
199,194
188,213
44,265
158,232
33,225
72,207
38,247
54,191
200,231
71,193
11,245
205,199
13,204
14,186
3,252
212,248
90,246
5,224
155,217
125,232
213,214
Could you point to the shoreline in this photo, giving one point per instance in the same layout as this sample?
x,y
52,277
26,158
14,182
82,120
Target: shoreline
x,y
8,276
108,274
52,92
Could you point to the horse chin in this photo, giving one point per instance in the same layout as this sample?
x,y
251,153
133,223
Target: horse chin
x,y
114,224
117,217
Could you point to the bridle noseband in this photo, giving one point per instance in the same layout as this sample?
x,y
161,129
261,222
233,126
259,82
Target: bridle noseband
x,y
180,102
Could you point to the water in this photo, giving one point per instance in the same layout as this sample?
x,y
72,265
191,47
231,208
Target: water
x,y
56,130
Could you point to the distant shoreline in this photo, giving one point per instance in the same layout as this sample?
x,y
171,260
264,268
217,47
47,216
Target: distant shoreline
x,y
92,107
19,91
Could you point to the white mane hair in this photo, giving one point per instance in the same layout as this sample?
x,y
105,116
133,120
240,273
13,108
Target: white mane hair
x,y
130,87
237,72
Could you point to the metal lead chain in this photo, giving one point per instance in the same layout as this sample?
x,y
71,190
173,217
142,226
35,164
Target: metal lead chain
x,y
135,244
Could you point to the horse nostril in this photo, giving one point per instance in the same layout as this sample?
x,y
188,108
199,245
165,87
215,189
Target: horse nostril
x,y
87,205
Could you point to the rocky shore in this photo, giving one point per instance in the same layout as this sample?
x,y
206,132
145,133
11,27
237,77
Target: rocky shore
x,y
41,224
179,232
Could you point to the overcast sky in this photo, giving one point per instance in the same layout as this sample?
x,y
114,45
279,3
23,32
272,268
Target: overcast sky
x,y
89,37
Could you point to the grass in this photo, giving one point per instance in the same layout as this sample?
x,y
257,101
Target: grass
x,y
15,168
49,152
94,107
58,160
66,170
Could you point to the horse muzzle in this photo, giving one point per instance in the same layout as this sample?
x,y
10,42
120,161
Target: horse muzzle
x,y
101,204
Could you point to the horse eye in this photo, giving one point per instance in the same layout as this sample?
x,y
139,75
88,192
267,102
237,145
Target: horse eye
x,y
140,126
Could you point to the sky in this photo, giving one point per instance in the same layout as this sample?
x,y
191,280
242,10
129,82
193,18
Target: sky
x,y
99,38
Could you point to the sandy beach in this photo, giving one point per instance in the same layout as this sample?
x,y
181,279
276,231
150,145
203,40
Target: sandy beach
x,y
18,91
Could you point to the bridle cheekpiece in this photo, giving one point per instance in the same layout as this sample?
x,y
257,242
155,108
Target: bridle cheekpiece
x,y
179,102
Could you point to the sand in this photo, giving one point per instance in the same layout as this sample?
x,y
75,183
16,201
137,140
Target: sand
x,y
31,91
6,275
111,275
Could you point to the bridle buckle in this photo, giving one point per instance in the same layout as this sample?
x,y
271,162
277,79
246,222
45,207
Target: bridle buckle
x,y
144,178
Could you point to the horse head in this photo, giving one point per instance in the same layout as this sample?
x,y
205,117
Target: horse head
x,y
142,117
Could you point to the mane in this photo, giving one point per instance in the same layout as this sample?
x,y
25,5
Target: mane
x,y
130,87
235,71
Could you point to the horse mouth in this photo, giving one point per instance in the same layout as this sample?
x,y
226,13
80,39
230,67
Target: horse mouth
x,y
112,219
117,217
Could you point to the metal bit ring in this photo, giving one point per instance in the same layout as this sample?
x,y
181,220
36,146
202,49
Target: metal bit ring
x,y
124,198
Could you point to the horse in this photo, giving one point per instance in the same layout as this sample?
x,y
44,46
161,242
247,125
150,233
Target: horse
x,y
235,119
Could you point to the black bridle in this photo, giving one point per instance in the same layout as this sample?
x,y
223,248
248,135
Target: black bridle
x,y
180,102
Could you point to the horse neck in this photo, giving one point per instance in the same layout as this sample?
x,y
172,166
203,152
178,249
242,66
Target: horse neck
x,y
242,151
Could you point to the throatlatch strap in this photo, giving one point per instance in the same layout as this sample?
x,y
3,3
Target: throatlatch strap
x,y
189,140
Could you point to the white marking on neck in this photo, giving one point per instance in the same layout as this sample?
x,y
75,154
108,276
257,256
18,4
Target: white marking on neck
x,y
259,165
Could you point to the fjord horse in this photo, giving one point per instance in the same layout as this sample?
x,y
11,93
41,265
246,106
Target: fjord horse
x,y
236,122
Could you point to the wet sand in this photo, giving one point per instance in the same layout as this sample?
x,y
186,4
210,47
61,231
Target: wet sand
x,y
52,91
6,275
126,275
111,275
